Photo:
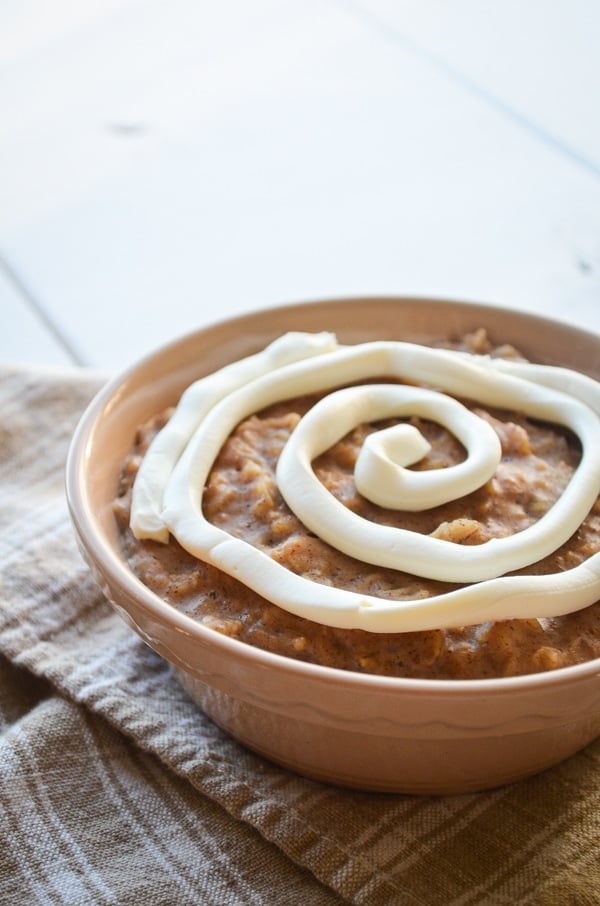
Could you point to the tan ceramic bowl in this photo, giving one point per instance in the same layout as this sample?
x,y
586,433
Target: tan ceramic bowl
x,y
366,732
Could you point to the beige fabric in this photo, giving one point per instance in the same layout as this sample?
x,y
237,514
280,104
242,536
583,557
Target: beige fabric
x,y
116,789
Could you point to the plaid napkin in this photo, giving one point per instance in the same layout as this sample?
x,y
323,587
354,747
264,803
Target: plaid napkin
x,y
116,789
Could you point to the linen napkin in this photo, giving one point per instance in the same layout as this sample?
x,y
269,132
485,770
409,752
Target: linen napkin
x,y
115,788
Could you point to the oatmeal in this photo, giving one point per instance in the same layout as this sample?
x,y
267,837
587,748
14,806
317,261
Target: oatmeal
x,y
242,498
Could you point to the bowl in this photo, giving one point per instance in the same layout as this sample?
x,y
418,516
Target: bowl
x,y
372,733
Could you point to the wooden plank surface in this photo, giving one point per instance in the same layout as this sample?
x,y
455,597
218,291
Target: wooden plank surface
x,y
165,165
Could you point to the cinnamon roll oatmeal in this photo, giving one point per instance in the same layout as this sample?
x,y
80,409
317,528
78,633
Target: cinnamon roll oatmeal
x,y
386,508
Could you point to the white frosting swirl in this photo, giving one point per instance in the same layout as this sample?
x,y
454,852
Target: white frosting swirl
x,y
167,494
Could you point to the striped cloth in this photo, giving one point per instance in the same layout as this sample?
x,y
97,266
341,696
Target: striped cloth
x,y
116,789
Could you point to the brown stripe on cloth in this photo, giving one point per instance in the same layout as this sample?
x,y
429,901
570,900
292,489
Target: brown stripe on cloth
x,y
115,788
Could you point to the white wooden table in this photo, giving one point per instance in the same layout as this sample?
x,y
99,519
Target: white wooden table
x,y
163,165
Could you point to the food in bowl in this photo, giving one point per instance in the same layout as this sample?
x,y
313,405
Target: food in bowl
x,y
357,729
388,507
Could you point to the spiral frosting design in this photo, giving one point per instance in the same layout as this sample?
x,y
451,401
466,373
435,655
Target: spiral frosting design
x,y
167,495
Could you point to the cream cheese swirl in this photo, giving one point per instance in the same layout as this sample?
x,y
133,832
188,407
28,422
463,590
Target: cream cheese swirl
x,y
167,494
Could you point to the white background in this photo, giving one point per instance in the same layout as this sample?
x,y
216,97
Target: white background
x,y
165,165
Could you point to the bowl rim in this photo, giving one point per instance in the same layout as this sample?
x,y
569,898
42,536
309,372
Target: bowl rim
x,y
89,530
